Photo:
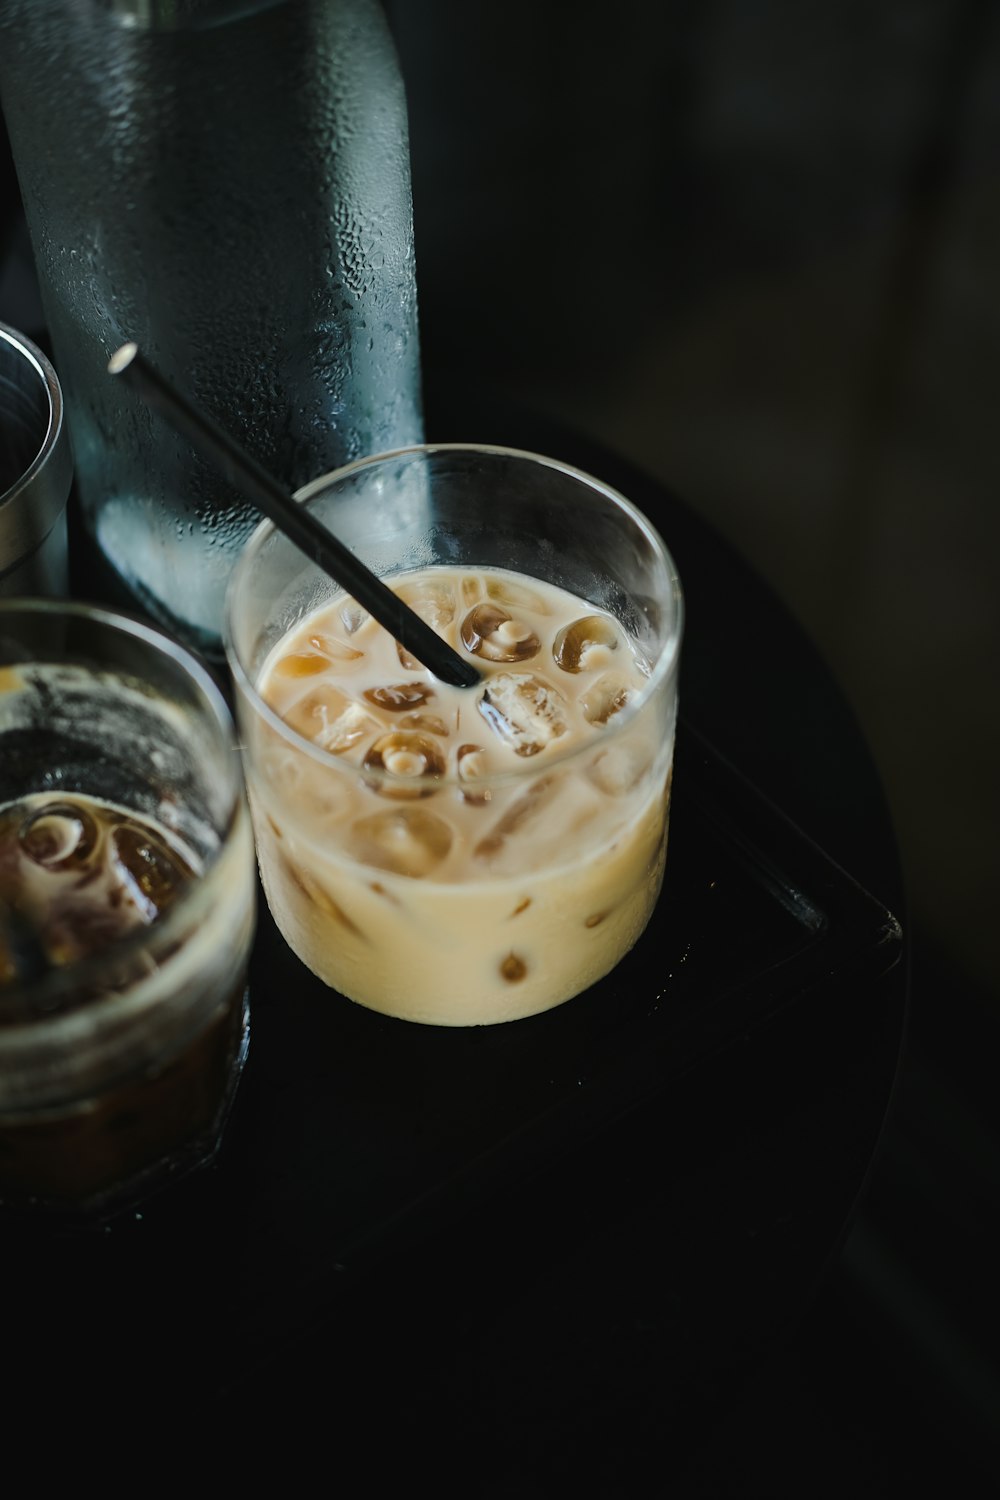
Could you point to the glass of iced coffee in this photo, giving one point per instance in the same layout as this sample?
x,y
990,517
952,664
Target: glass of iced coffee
x,y
127,911
461,856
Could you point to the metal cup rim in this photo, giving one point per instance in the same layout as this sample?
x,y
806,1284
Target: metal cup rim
x,y
30,507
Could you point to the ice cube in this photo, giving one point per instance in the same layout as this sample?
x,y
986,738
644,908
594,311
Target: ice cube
x,y
320,654
409,755
606,697
301,664
516,817
314,799
352,616
400,697
59,836
513,594
330,719
339,651
433,599
472,766
472,588
495,635
405,840
524,710
550,823
426,723
578,644
150,871
315,891
619,769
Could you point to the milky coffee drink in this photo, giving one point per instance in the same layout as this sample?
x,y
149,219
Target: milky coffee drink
x,y
461,856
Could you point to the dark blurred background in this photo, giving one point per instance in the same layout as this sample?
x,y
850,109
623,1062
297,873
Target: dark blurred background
x,y
754,246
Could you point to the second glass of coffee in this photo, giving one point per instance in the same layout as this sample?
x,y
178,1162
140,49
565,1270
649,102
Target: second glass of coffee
x,y
127,910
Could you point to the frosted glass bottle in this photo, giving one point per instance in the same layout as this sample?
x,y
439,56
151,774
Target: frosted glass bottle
x,y
228,183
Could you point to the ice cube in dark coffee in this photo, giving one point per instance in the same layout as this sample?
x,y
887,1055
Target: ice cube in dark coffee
x,y
79,879
79,874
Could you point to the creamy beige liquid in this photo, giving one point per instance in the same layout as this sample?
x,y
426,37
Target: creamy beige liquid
x,y
462,856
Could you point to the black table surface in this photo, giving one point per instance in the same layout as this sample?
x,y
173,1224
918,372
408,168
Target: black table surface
x,y
596,1218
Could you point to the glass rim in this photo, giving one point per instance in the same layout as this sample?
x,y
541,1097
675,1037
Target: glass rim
x,y
36,497
663,668
43,1010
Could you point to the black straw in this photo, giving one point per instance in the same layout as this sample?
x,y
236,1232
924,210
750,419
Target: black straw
x,y
295,520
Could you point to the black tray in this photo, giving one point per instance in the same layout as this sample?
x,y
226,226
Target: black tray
x,y
356,1138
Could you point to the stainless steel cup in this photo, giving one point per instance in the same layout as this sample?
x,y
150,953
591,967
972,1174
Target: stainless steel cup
x,y
36,471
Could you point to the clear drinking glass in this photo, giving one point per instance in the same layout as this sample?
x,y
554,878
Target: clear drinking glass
x,y
36,471
461,856
127,910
